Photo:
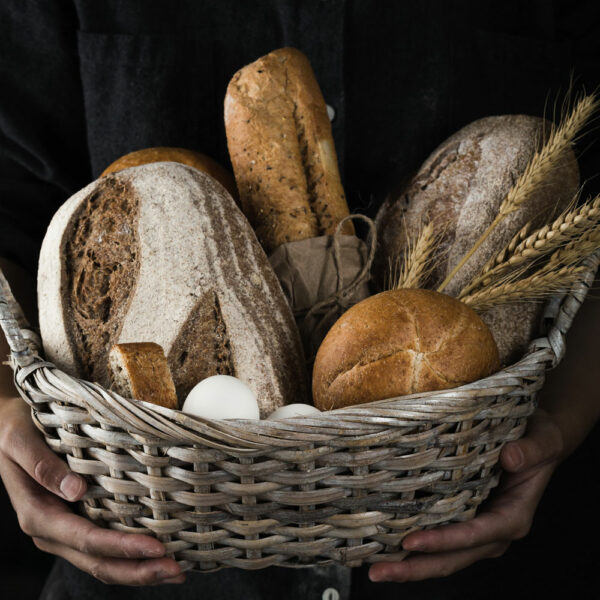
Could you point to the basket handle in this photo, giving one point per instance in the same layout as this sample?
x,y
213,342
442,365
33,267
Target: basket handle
x,y
564,313
24,343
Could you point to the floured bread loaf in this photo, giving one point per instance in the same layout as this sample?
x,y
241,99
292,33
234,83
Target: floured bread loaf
x,y
459,189
161,253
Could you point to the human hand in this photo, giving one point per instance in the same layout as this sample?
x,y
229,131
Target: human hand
x,y
506,516
38,482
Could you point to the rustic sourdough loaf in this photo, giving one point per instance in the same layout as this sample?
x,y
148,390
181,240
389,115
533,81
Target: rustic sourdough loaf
x,y
282,152
161,253
459,188
401,342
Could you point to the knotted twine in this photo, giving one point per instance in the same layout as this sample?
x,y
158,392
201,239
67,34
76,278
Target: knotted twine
x,y
322,277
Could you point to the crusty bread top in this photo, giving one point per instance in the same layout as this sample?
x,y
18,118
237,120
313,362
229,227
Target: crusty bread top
x,y
401,342
282,152
460,188
139,370
199,161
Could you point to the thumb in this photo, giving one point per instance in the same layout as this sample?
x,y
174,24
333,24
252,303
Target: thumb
x,y
542,443
25,446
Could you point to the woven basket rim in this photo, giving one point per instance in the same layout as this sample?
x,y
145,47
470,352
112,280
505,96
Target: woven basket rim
x,y
176,427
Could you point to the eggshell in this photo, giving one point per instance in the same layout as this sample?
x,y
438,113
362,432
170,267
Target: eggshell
x,y
293,410
221,397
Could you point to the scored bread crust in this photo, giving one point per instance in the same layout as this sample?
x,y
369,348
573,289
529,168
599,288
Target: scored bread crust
x,y
282,151
401,342
193,243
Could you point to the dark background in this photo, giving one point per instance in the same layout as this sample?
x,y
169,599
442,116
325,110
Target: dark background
x,y
410,82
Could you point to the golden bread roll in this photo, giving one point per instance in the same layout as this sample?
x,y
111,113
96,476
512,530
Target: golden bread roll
x,y
199,161
401,342
139,370
282,152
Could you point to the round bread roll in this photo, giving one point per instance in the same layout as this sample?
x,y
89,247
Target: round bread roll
x,y
180,155
401,342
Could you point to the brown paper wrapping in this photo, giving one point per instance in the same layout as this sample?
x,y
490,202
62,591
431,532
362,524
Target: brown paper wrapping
x,y
322,277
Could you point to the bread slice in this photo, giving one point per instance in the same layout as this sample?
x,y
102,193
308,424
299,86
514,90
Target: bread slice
x,y
139,370
162,253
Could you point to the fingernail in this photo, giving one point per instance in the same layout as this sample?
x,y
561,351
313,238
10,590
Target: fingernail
x,y
515,456
379,577
417,544
70,486
169,572
153,552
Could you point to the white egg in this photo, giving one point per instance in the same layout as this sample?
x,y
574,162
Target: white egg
x,y
293,410
221,397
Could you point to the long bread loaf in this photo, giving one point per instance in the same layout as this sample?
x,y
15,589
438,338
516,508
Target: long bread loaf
x,y
161,253
281,148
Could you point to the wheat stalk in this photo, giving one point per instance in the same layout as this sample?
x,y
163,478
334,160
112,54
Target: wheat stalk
x,y
567,227
412,268
545,282
543,162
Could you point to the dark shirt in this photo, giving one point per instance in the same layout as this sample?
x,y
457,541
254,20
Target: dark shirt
x,y
83,83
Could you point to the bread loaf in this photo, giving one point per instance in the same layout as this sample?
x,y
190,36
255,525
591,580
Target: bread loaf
x,y
161,253
401,342
282,151
459,188
140,371
199,161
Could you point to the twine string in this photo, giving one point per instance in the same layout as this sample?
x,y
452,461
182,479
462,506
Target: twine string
x,y
341,299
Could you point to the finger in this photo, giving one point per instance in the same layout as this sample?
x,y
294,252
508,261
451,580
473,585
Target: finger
x,y
42,515
487,528
24,445
542,443
118,570
428,566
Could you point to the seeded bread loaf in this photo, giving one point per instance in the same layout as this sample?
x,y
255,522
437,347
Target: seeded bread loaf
x,y
282,151
199,161
161,253
459,188
140,371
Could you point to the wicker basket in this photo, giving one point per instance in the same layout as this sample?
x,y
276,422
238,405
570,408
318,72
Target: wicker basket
x,y
343,487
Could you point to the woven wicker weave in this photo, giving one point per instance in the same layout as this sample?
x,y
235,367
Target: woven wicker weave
x,y
345,486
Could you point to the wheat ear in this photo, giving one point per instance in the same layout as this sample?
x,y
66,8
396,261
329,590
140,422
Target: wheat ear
x,y
543,162
542,284
412,268
523,248
577,249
